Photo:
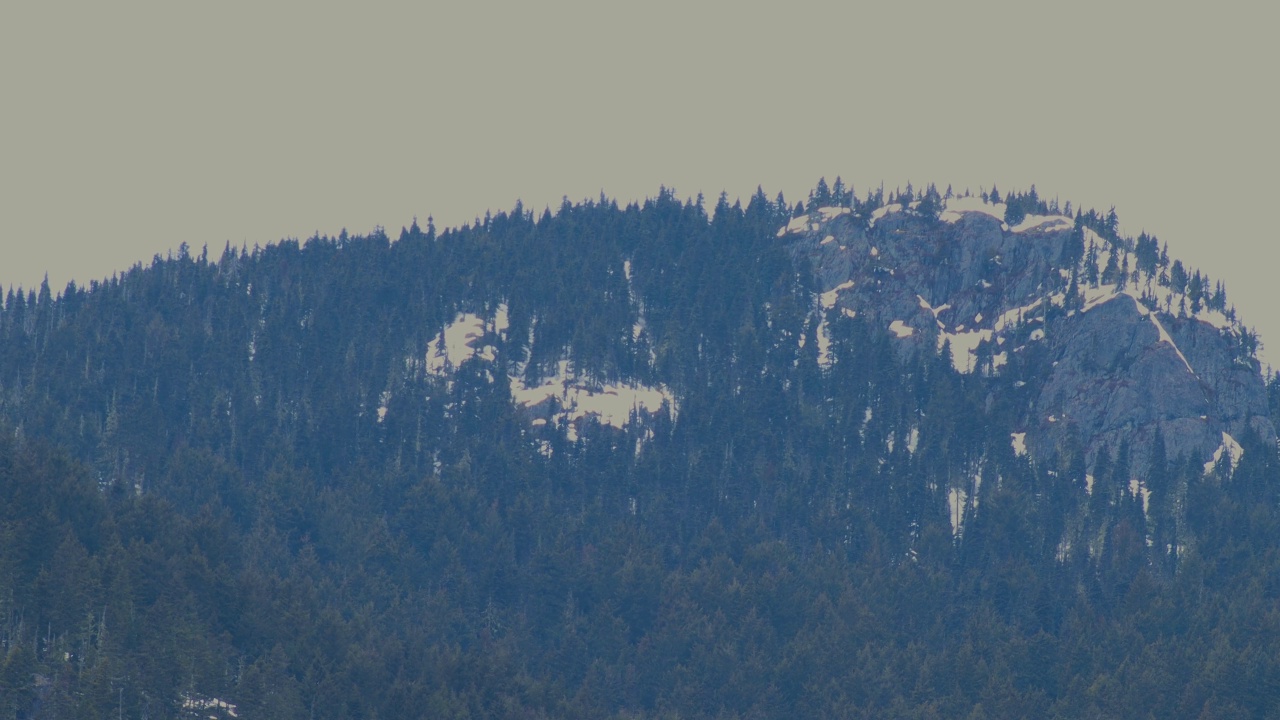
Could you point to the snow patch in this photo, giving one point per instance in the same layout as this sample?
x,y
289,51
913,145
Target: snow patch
x,y
455,344
829,213
1231,448
1044,223
828,298
576,399
1019,442
964,348
1138,488
901,329
797,225
881,212
824,344
956,207
1106,293
828,240
955,502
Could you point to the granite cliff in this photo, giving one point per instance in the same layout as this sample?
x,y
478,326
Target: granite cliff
x,y
1102,345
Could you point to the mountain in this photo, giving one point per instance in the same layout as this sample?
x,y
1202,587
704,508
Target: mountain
x,y
924,455
1102,358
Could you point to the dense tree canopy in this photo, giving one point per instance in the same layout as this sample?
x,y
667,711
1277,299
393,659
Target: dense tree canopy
x,y
200,502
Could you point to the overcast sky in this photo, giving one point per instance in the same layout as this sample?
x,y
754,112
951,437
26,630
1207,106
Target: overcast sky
x,y
130,127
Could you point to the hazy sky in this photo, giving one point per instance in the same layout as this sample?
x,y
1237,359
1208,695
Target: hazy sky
x,y
130,127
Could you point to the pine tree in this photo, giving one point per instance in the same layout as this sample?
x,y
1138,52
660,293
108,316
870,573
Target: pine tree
x,y
1091,264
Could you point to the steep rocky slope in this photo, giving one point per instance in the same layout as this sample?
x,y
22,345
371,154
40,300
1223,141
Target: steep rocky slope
x,y
1100,363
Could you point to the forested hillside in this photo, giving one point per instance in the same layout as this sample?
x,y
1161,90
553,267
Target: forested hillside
x,y
616,462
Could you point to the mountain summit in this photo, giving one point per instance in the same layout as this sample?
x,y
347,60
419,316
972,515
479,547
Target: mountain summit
x,y
1105,341
916,456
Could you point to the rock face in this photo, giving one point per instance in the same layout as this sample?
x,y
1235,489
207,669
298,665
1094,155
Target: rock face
x,y
1101,363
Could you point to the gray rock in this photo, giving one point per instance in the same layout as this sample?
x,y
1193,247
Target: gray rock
x,y
1107,376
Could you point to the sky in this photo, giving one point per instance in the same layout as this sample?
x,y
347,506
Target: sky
x,y
128,128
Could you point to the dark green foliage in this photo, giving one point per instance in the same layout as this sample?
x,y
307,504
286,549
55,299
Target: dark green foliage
x,y
198,499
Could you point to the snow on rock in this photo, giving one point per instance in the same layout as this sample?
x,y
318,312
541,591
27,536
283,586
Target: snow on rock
x,y
956,207
797,225
1019,442
1214,318
901,329
1106,293
828,213
1166,338
1093,297
1044,223
955,503
1014,316
828,298
824,344
964,347
1231,448
828,240
881,212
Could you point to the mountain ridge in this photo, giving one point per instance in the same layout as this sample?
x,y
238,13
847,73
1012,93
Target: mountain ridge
x,y
639,461
991,302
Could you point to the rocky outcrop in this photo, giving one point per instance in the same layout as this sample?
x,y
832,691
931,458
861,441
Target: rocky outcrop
x,y
1112,363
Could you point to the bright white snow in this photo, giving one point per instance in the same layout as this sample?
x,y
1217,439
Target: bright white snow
x,y
901,329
